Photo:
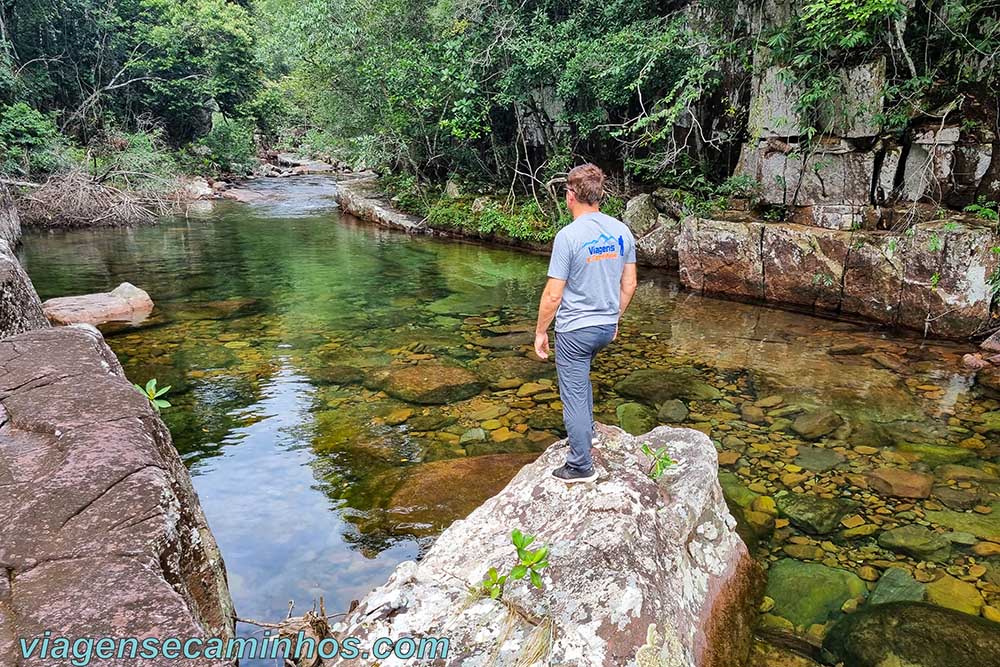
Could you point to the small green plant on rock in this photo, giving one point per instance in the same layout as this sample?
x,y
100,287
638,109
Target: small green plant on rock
x,y
153,394
661,461
530,563
984,209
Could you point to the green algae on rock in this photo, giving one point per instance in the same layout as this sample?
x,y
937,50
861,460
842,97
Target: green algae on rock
x,y
809,593
897,585
914,634
635,418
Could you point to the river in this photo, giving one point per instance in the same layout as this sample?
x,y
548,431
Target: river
x,y
271,317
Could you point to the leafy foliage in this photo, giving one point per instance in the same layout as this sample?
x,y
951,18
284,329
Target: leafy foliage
x,y
153,394
661,460
128,62
984,209
228,148
499,90
29,141
530,563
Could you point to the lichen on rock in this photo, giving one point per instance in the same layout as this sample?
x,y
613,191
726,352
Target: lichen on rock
x,y
627,555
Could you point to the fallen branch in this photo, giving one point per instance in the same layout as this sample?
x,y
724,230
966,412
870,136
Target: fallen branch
x,y
20,184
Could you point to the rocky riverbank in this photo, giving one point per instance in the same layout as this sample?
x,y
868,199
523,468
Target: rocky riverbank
x,y
935,277
20,308
102,532
641,571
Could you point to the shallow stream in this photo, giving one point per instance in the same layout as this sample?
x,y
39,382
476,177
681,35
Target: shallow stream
x,y
276,321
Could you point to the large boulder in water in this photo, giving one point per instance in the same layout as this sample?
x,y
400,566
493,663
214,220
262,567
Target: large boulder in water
x,y
513,371
20,308
640,571
125,303
102,532
428,497
658,385
640,214
913,634
810,593
431,383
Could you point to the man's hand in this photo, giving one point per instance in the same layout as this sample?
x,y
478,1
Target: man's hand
x,y
547,307
615,337
542,345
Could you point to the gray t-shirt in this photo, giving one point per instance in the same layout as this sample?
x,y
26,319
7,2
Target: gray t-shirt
x,y
590,254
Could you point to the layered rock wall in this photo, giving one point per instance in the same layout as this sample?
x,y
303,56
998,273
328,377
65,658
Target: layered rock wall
x,y
101,533
935,278
20,309
640,572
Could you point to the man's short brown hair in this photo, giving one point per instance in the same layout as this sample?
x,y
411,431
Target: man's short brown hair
x,y
587,183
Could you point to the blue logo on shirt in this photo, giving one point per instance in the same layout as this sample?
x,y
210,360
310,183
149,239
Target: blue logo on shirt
x,y
603,239
603,247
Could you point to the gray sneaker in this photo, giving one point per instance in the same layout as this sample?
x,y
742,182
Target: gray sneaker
x,y
573,475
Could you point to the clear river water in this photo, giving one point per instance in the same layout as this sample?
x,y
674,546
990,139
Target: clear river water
x,y
272,319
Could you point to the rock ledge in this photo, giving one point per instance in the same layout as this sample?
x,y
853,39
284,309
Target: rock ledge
x,y
627,553
101,533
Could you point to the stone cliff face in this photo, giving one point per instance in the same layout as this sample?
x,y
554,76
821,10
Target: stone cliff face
x,y
858,220
20,309
935,278
641,572
102,533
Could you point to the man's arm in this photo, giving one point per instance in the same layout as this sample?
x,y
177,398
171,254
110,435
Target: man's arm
x,y
547,307
629,282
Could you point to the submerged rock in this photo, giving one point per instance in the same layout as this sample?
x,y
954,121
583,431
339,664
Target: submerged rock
x,y
125,303
897,585
672,412
814,514
431,383
809,593
900,483
985,526
818,459
814,425
913,634
635,418
685,594
916,541
657,385
431,496
515,369
955,594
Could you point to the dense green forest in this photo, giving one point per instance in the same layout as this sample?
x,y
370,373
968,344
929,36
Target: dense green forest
x,y
487,96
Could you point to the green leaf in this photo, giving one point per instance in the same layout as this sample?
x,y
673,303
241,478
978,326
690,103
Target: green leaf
x,y
518,572
161,392
536,579
517,537
151,387
160,403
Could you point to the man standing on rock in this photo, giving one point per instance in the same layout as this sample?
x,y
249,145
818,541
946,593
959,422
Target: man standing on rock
x,y
591,282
